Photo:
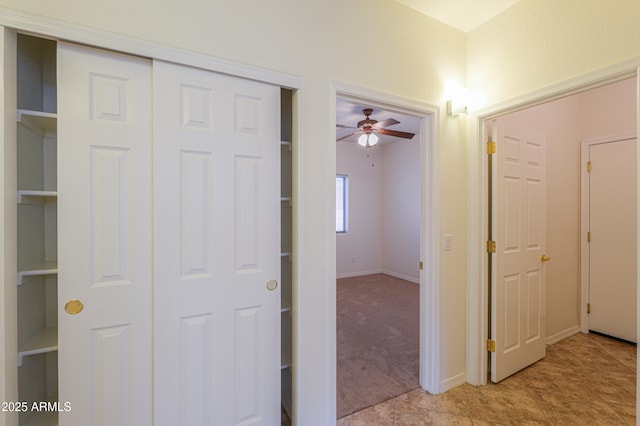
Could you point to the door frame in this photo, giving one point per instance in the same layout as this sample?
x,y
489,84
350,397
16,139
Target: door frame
x,y
584,220
478,279
429,224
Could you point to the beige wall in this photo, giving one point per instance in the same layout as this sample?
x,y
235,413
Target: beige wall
x,y
401,209
384,210
359,250
608,110
537,43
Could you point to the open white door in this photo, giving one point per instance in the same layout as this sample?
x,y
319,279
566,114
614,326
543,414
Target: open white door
x,y
216,248
519,227
104,228
612,246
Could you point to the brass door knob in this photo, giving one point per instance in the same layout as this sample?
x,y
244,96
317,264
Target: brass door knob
x,y
73,307
544,258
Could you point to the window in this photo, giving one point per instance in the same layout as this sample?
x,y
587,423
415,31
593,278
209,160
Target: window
x,y
342,192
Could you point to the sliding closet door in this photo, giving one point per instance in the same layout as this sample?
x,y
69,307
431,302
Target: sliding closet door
x,y
216,248
104,237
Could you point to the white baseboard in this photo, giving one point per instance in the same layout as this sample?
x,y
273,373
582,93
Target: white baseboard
x,y
378,271
357,274
563,335
403,277
452,382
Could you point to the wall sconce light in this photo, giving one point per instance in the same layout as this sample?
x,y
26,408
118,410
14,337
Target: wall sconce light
x,y
461,100
456,107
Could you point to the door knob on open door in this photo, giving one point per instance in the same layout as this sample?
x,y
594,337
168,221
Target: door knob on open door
x,y
544,258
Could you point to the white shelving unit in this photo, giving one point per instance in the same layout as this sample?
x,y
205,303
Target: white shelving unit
x,y
35,197
286,252
39,121
37,238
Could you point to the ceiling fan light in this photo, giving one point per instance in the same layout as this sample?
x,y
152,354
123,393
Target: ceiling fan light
x,y
368,139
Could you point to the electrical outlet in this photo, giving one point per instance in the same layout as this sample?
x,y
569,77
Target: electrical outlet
x,y
353,259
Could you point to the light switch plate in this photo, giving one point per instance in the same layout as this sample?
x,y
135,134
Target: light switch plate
x,y
447,242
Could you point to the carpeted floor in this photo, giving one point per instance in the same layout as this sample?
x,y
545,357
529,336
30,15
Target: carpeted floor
x,y
378,340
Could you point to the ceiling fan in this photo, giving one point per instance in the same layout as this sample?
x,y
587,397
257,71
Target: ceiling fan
x,y
370,129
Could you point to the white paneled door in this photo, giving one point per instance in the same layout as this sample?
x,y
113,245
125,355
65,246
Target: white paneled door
x,y
612,228
216,248
104,228
518,279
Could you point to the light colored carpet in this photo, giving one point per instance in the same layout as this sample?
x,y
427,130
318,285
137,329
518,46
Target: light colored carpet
x,y
378,340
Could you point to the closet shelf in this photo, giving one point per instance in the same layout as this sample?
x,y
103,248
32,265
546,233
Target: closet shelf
x,y
47,267
285,307
36,197
285,361
286,200
285,255
45,341
285,144
42,122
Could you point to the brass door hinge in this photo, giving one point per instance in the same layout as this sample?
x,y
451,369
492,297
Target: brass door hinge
x,y
588,166
588,308
491,246
589,236
491,147
421,264
491,345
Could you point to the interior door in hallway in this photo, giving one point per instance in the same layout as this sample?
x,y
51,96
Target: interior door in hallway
x,y
104,236
216,248
519,227
612,246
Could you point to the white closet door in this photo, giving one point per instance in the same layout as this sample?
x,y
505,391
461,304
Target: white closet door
x,y
612,250
104,233
216,248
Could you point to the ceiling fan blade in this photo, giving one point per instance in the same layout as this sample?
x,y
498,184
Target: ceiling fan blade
x,y
386,123
344,137
344,126
396,133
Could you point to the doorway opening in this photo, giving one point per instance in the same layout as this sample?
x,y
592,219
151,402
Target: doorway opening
x,y
377,260
385,309
603,111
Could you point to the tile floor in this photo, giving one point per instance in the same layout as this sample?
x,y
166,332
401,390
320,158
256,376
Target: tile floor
x,y
583,380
